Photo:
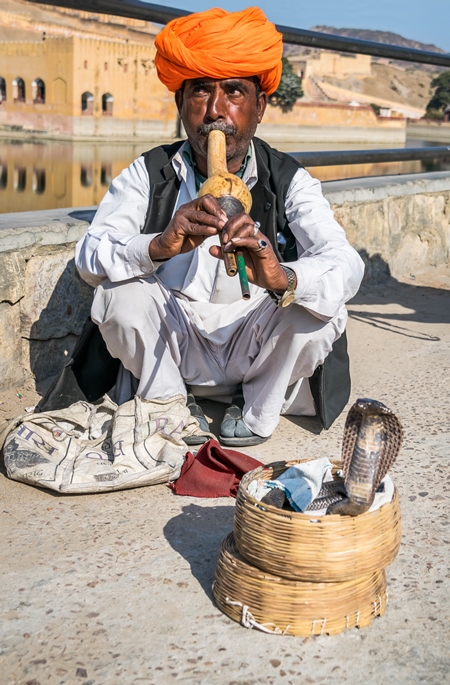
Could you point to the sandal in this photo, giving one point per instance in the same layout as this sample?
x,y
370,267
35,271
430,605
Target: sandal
x,y
233,431
197,412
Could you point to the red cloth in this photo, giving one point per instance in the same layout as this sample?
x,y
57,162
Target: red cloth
x,y
214,472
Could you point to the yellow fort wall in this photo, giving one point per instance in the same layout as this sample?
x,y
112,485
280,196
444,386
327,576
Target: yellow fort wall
x,y
71,66
127,72
50,60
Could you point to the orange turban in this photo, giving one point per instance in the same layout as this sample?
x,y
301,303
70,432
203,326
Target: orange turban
x,y
219,45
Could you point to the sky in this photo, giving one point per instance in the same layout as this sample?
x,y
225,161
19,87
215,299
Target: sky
x,y
427,21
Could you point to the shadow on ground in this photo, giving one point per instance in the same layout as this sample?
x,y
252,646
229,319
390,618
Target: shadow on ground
x,y
83,214
311,424
196,534
425,305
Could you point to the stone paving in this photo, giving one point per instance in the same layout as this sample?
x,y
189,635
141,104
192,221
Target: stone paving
x,y
115,589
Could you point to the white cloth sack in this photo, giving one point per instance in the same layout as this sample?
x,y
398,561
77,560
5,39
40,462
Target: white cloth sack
x,y
100,447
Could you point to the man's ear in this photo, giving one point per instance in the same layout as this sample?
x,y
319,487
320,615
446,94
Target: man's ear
x,y
261,105
179,100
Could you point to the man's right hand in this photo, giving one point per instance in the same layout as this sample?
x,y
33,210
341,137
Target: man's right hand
x,y
191,224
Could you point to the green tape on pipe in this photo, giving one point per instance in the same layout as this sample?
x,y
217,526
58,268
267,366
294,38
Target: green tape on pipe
x,y
243,275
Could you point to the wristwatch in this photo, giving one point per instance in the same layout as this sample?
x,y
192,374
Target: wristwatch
x,y
289,294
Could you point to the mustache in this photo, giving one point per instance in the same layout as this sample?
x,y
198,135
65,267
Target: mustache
x,y
228,129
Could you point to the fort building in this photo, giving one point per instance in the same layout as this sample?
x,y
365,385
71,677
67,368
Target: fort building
x,y
84,87
329,63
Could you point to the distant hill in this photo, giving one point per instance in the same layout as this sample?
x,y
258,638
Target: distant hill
x,y
26,21
386,37
379,37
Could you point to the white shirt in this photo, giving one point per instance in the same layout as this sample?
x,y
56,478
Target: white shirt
x,y
329,271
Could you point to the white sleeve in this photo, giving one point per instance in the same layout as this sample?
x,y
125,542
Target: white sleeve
x,y
113,246
329,270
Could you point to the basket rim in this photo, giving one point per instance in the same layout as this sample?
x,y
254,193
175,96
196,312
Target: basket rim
x,y
336,464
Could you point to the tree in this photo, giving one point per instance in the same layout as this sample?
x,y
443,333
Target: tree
x,y
289,89
441,97
376,108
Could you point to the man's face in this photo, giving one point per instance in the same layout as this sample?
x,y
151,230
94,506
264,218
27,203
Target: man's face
x,y
232,105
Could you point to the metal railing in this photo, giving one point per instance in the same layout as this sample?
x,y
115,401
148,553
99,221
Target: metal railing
x,y
136,9
337,157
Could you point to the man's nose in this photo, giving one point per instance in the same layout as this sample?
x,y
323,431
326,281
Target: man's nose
x,y
216,108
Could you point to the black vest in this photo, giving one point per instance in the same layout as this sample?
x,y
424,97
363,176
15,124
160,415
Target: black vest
x,y
91,371
275,173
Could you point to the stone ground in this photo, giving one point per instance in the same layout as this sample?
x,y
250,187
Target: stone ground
x,y
116,588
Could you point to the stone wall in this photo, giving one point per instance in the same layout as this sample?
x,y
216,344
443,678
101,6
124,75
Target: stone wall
x,y
400,225
43,301
401,222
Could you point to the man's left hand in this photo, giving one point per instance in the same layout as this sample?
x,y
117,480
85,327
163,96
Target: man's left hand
x,y
263,267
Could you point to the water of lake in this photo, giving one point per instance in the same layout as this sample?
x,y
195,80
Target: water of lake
x,y
51,174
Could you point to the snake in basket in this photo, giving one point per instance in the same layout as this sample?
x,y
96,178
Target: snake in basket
x,y
372,439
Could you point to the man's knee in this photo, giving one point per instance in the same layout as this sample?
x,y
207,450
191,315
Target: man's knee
x,y
297,322
125,303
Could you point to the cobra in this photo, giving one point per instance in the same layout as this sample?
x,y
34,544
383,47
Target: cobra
x,y
373,437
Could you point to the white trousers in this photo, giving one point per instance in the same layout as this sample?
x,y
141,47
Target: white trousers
x,y
270,350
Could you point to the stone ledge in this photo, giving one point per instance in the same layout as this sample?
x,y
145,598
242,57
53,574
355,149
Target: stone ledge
x,y
49,227
375,188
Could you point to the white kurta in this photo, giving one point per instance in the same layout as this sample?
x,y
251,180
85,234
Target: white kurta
x,y
184,321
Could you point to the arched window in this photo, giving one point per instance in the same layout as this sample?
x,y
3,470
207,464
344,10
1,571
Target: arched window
x,y
59,91
107,104
2,90
38,91
18,89
87,103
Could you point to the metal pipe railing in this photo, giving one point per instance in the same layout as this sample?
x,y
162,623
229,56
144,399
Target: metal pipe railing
x,y
327,41
136,9
337,157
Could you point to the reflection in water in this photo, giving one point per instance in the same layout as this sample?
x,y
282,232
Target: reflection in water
x,y
51,174
86,175
3,176
106,175
20,178
38,181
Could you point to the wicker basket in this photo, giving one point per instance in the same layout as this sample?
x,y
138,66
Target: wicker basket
x,y
276,605
310,548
